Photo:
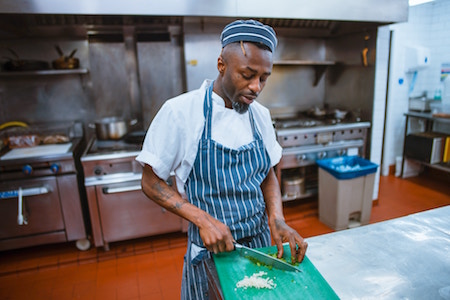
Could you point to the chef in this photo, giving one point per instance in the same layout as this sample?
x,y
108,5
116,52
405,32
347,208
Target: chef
x,y
220,144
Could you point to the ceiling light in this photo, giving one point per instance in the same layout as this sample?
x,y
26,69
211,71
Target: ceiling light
x,y
417,2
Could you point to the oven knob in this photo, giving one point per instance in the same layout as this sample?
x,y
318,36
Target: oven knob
x,y
301,157
98,171
27,169
322,155
55,168
342,152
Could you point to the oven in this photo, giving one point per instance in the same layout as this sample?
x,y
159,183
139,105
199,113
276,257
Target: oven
x,y
305,139
41,198
118,208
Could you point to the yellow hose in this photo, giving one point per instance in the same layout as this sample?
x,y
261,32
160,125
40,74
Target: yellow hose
x,y
13,123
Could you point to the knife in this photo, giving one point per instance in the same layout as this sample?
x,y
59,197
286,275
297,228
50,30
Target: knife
x,y
264,258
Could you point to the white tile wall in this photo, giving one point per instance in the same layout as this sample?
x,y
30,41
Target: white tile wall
x,y
428,26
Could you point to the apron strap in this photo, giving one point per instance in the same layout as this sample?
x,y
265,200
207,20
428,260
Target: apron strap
x,y
207,113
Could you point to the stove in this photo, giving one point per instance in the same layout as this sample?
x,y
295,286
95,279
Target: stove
x,y
306,139
118,208
41,188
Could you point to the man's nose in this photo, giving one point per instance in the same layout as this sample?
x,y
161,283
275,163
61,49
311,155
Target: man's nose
x,y
255,86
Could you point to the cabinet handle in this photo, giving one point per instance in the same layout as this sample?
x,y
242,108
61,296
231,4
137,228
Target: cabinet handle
x,y
25,192
114,190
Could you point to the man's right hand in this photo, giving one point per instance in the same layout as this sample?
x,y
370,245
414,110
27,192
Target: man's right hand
x,y
215,235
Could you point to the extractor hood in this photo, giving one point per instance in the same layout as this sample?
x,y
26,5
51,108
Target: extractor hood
x,y
383,11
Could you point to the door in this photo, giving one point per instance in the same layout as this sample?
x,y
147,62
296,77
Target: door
x,y
126,213
41,207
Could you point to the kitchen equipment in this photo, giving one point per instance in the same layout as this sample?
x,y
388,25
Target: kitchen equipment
x,y
425,146
47,180
118,208
421,104
293,187
135,137
19,64
230,267
112,128
263,258
305,139
340,114
66,62
317,112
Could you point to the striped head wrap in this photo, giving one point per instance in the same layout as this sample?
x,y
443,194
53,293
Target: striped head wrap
x,y
249,31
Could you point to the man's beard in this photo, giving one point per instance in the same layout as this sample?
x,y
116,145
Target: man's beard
x,y
239,107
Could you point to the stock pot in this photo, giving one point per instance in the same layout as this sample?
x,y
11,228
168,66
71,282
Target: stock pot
x,y
112,128
294,187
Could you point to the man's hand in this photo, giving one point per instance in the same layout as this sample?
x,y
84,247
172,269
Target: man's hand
x,y
215,235
281,233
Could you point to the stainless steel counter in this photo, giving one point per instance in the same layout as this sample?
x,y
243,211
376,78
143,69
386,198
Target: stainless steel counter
x,y
404,258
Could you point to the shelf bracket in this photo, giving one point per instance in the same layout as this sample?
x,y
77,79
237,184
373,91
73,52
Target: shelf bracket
x,y
320,70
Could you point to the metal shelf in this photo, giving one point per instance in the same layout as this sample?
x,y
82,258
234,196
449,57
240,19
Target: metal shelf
x,y
430,119
319,66
309,193
439,166
296,62
44,72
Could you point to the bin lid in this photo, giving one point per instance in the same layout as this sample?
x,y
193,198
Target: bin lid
x,y
347,167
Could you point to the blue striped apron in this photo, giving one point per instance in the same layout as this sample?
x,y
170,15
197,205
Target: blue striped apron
x,y
225,183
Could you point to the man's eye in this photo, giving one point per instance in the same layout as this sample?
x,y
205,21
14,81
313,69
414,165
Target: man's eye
x,y
245,76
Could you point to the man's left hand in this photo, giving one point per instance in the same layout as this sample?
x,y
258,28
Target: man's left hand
x,y
281,233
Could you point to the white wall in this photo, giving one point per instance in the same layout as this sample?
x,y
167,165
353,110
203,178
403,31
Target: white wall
x,y
428,26
381,74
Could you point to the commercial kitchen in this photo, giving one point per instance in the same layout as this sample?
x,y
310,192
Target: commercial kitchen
x,y
80,83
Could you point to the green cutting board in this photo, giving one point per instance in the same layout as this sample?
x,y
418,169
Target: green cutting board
x,y
307,284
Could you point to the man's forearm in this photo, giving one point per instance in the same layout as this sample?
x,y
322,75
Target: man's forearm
x,y
160,192
272,196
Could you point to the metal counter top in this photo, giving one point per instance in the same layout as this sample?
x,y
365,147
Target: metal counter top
x,y
404,258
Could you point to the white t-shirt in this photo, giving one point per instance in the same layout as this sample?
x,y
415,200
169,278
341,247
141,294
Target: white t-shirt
x,y
171,144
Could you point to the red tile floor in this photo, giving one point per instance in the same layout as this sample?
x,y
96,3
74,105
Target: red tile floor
x,y
150,268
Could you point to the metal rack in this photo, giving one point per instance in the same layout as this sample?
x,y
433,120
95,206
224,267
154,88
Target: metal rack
x,y
429,124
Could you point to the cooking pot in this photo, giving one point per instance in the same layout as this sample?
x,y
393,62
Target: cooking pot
x,y
25,65
340,114
65,62
112,128
19,64
293,187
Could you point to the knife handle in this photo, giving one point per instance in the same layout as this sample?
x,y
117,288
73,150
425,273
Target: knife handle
x,y
237,246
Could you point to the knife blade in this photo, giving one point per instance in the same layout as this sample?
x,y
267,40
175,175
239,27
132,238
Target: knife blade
x,y
264,258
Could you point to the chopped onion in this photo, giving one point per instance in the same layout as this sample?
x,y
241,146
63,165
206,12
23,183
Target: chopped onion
x,y
256,281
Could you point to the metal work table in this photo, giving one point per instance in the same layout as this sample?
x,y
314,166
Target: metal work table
x,y
404,258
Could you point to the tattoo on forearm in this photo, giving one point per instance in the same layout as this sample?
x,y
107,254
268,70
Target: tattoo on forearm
x,y
179,205
163,194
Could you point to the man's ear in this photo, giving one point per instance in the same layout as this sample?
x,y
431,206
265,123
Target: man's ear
x,y
220,65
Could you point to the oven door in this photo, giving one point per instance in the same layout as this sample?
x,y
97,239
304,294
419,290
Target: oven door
x,y
40,208
125,213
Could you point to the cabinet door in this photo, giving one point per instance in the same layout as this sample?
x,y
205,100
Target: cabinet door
x,y
42,209
126,213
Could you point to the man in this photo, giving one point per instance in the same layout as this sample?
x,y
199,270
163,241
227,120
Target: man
x,y
221,146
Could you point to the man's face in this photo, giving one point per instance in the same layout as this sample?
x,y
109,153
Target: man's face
x,y
243,75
